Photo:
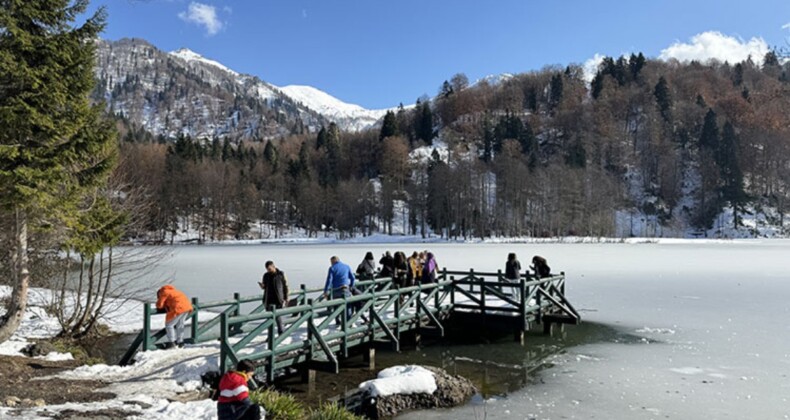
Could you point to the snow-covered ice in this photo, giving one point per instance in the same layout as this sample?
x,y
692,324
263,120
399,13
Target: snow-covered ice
x,y
710,317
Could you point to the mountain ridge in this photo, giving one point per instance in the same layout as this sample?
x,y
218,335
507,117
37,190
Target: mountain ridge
x,y
183,92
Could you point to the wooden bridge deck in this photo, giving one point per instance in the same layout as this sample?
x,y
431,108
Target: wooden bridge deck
x,y
317,333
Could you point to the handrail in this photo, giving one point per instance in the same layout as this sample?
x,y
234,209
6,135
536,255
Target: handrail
x,y
384,304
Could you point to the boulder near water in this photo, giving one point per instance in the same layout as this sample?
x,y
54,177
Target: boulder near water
x,y
403,388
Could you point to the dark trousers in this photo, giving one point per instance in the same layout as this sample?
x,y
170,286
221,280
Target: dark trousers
x,y
339,294
242,410
278,320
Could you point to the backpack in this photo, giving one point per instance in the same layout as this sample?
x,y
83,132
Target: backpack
x,y
211,380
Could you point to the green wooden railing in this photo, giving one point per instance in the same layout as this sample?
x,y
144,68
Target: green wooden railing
x,y
203,330
319,332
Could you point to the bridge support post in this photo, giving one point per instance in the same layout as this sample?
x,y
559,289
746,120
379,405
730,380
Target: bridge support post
x,y
147,342
369,357
553,328
194,326
308,377
518,337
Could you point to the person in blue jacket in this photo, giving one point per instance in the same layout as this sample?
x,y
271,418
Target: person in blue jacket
x,y
339,282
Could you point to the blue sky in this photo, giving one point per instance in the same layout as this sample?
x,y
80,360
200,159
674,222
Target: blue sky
x,y
378,53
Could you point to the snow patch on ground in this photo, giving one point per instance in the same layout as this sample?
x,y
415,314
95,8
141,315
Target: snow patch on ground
x,y
425,153
656,330
408,379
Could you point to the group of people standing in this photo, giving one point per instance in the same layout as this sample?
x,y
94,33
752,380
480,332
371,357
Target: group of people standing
x,y
513,267
420,267
232,395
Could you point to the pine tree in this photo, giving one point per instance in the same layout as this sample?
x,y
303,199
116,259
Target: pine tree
x,y
596,86
737,74
576,157
227,150
488,141
636,64
333,156
730,171
320,139
529,143
270,154
709,138
53,144
215,149
446,89
424,122
770,59
389,127
663,99
555,91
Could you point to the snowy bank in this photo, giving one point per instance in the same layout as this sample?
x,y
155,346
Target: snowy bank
x,y
147,389
411,387
400,380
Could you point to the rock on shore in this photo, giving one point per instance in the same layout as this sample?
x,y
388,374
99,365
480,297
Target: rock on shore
x,y
450,391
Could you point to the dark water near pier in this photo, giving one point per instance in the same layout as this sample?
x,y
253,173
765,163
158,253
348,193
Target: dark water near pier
x,y
494,362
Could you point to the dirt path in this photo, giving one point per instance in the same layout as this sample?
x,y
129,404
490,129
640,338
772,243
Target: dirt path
x,y
20,378
22,386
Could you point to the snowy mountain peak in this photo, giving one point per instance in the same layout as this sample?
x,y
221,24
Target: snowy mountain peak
x,y
190,56
347,116
350,116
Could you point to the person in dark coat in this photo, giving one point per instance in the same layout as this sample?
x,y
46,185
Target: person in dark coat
x,y
233,401
513,271
541,267
275,290
367,268
387,265
400,269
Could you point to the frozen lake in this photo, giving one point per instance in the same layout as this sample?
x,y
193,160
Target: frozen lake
x,y
714,318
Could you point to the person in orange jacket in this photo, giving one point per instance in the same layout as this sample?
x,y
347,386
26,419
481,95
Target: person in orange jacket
x,y
177,306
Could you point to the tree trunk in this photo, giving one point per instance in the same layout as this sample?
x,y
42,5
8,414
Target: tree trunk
x,y
16,308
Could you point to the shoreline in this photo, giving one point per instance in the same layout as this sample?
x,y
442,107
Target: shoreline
x,y
386,239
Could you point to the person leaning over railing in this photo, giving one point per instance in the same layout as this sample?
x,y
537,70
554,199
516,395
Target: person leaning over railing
x,y
339,281
178,308
541,267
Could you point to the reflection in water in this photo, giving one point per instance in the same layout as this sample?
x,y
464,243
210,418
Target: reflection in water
x,y
495,363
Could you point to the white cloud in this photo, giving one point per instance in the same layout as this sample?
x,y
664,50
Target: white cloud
x,y
590,67
204,15
786,26
715,45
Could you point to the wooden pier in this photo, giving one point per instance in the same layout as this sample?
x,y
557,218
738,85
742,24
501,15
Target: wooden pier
x,y
317,333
